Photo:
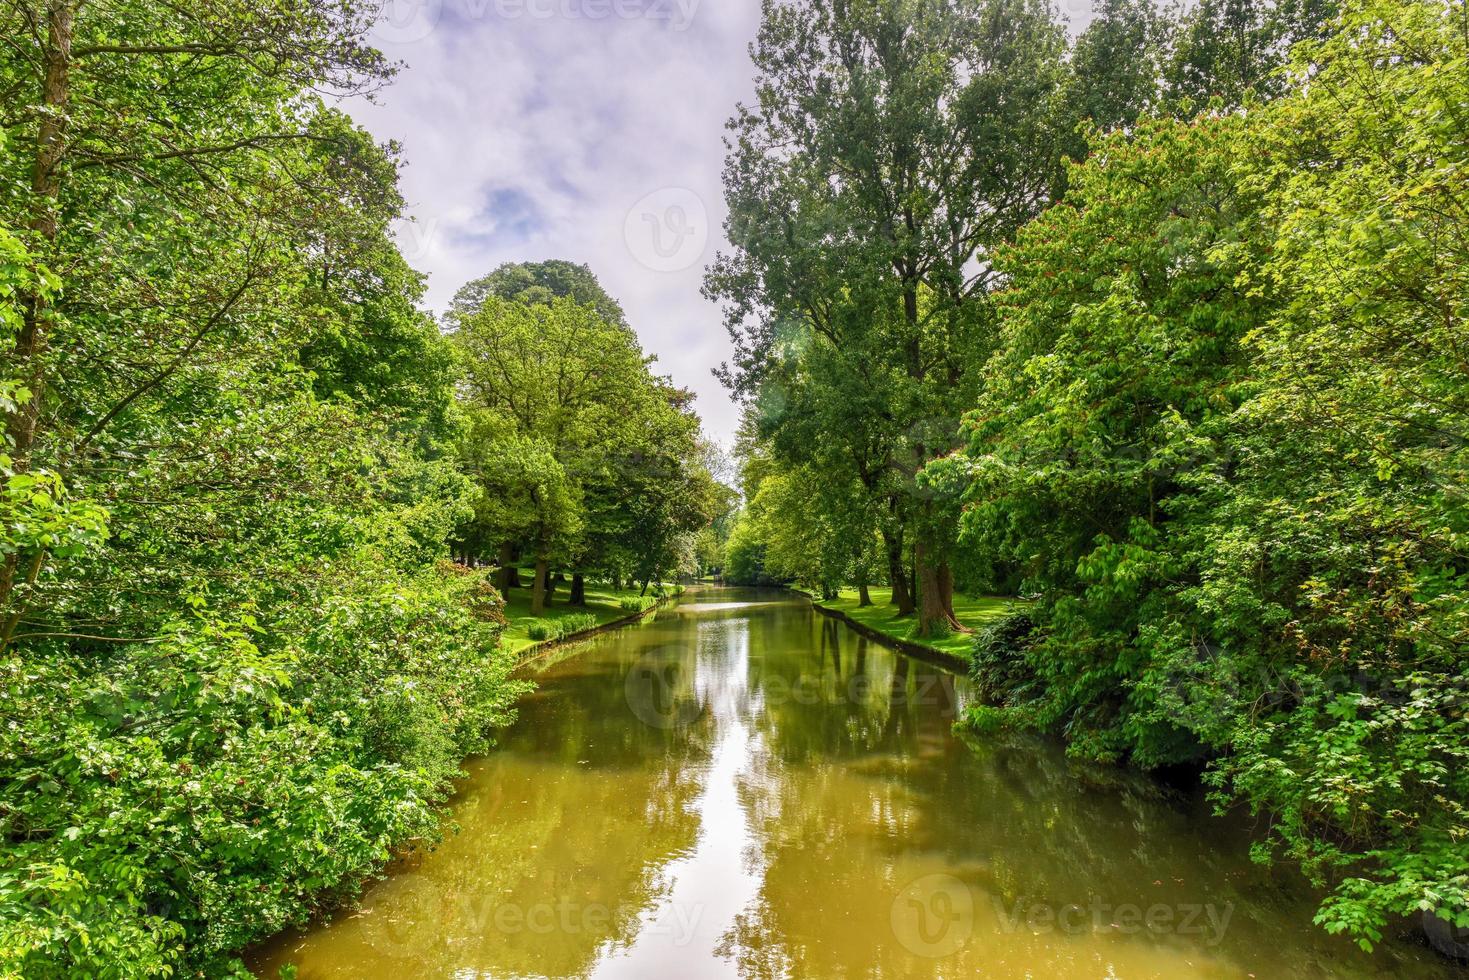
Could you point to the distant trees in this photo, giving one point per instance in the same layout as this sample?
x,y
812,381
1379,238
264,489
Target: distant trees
x,y
584,459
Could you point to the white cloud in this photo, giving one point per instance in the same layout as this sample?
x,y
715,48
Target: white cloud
x,y
531,128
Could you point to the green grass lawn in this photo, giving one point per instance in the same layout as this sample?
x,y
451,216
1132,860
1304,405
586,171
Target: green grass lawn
x,y
882,616
602,602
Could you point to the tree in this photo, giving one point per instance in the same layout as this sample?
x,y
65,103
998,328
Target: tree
x,y
1122,357
1336,565
224,589
1222,437
1224,49
537,282
1116,66
557,377
892,147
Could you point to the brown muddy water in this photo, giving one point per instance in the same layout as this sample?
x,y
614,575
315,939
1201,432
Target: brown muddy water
x,y
744,788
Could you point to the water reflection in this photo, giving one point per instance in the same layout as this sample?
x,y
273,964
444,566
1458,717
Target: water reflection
x,y
742,788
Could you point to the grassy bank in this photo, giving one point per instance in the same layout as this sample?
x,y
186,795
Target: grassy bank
x,y
605,604
882,616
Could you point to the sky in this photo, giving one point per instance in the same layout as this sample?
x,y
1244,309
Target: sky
x,y
589,130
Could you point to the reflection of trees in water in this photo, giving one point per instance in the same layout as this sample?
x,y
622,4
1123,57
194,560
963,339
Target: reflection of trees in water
x,y
853,790
853,798
818,691
563,837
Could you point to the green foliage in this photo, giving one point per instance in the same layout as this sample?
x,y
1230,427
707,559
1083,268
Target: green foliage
x,y
1222,440
893,147
542,630
237,671
170,803
581,455
534,283
1228,50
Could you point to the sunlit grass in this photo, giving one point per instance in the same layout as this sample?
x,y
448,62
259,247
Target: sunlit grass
x,y
973,612
602,602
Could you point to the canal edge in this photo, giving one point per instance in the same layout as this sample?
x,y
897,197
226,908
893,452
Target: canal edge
x,y
537,651
916,650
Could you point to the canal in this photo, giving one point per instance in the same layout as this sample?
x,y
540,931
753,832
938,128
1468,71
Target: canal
x,y
741,787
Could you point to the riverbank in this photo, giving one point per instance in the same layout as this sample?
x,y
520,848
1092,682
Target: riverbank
x,y
881,622
605,608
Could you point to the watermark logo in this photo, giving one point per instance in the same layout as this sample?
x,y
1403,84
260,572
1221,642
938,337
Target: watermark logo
x,y
416,239
676,14
405,915
933,916
668,230
659,690
422,912
1206,921
405,21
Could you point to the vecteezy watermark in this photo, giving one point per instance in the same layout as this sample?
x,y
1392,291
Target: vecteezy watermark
x,y
1204,920
423,912
416,239
659,689
934,916
1444,936
405,21
667,230
677,14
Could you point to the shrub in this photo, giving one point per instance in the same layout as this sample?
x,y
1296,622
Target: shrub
x,y
999,664
577,623
232,772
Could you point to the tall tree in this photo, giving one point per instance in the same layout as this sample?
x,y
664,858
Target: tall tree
x,y
1223,49
554,386
892,146
537,282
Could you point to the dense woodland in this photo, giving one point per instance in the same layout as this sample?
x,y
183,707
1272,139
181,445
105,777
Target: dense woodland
x,y
1159,327
1164,330
239,667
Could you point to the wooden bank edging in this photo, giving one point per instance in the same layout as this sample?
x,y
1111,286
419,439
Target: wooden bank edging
x,y
916,650
538,650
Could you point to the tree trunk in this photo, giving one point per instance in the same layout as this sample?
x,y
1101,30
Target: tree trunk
x,y
505,577
946,596
902,596
935,616
864,598
578,589
27,356
30,342
551,581
538,588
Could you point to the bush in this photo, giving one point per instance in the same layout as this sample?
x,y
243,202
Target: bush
x,y
636,603
985,719
541,630
577,623
167,804
999,664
